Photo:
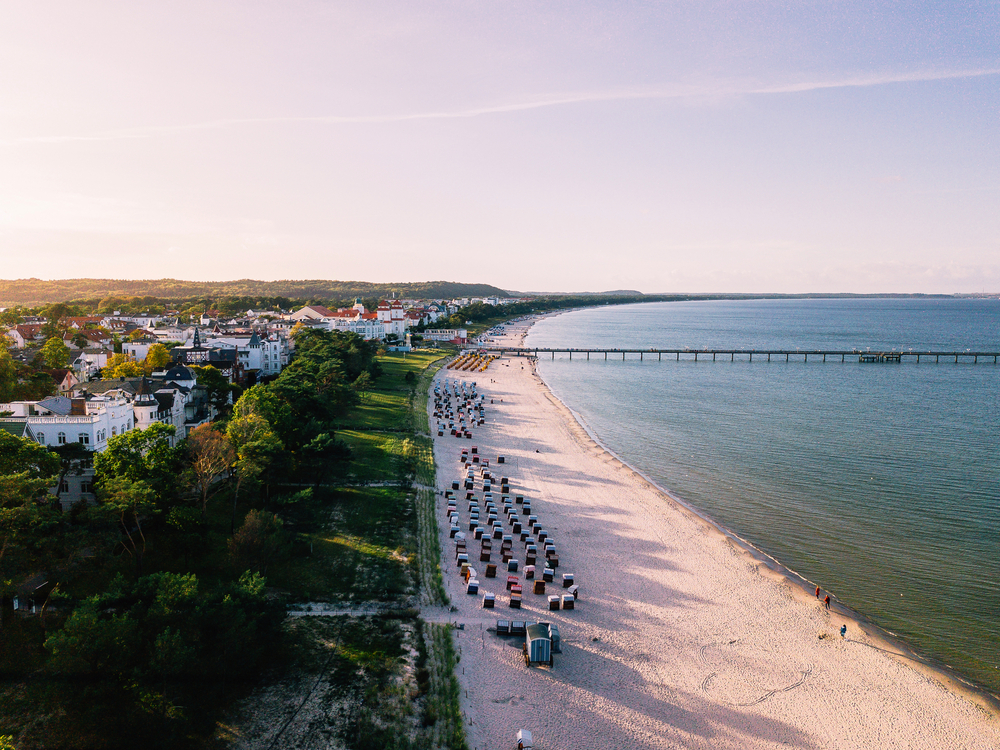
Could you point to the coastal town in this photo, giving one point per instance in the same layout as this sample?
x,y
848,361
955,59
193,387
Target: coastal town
x,y
89,408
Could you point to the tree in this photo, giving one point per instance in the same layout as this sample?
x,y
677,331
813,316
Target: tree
x,y
57,311
8,376
322,454
27,470
20,455
157,358
73,457
252,438
56,353
141,455
80,341
122,366
128,502
50,329
256,542
218,387
211,455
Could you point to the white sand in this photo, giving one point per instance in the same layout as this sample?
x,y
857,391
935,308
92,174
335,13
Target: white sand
x,y
680,639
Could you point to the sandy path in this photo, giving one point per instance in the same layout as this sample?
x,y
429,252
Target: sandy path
x,y
680,638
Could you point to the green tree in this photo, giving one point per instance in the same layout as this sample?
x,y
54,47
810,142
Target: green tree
x,y
253,440
218,387
8,376
142,455
157,358
56,353
20,455
58,311
93,641
73,458
121,366
27,517
50,329
128,503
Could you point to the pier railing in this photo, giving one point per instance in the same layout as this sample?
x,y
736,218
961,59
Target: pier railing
x,y
789,355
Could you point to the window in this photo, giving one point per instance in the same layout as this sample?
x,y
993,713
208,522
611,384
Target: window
x,y
41,438
84,438
114,431
64,486
61,438
87,487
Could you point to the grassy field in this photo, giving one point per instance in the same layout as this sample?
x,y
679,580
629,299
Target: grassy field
x,y
369,682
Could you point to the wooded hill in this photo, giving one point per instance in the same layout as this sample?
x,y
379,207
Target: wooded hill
x,y
34,292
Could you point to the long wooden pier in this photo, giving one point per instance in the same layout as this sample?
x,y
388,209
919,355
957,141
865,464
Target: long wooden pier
x,y
789,355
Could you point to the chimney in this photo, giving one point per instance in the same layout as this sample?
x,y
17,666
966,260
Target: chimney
x,y
78,407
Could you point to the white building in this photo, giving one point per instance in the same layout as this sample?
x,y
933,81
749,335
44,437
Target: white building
x,y
393,316
456,335
267,355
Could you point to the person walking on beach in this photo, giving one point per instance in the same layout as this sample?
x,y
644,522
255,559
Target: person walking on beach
x,y
827,601
843,631
817,592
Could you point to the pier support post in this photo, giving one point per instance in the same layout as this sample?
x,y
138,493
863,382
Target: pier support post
x,y
659,356
640,356
713,356
824,358
696,356
732,356
553,355
751,356
623,356
588,356
769,356
678,356
786,357
605,356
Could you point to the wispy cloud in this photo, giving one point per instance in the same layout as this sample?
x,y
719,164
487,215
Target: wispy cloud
x,y
713,91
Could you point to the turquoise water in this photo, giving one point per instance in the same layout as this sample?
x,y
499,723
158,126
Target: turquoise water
x,y
880,482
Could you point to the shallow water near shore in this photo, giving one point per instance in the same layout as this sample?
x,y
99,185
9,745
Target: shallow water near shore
x,y
880,482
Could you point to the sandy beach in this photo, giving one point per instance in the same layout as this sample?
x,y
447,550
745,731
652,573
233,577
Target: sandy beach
x,y
680,638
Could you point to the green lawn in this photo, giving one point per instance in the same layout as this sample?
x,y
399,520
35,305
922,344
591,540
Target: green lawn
x,y
366,552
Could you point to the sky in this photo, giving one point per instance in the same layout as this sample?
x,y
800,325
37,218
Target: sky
x,y
679,146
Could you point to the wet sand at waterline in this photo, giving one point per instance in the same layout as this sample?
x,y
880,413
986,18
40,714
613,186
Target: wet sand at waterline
x,y
680,637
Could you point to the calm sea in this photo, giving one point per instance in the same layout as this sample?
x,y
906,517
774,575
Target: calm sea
x,y
879,482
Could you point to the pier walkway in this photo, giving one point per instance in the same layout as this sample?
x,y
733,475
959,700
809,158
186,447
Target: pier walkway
x,y
789,355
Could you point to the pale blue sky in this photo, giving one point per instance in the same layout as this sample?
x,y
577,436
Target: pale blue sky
x,y
671,146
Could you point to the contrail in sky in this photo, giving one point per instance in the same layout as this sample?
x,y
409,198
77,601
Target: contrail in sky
x,y
678,91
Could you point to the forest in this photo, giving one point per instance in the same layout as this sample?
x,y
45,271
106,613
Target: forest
x,y
35,292
164,602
